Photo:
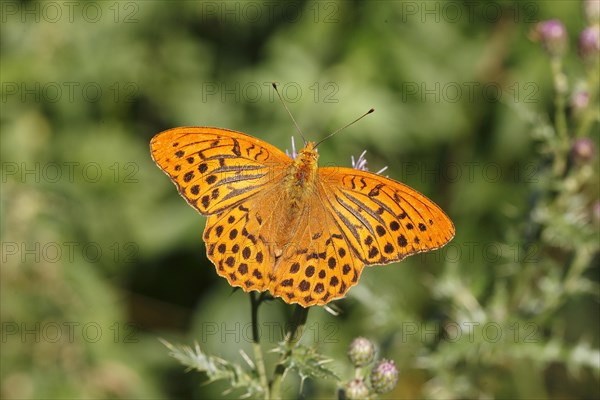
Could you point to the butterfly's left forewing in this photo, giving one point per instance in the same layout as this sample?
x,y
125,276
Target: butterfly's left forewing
x,y
215,169
383,220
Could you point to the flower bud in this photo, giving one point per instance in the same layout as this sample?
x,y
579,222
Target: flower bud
x,y
583,150
553,36
580,101
361,352
357,390
589,43
384,376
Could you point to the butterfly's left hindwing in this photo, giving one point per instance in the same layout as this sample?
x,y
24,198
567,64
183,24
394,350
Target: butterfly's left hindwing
x,y
215,169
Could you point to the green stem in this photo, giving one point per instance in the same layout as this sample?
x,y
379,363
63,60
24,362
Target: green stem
x,y
581,261
258,356
560,123
358,373
292,337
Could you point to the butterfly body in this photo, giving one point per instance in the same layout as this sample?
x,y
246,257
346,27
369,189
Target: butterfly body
x,y
301,177
284,225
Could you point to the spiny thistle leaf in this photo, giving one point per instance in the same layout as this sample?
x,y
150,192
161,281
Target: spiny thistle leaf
x,y
215,368
307,362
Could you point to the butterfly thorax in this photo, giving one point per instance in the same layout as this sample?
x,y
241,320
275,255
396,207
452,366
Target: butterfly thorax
x,y
301,176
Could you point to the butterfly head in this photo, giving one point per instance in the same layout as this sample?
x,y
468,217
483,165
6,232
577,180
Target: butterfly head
x,y
308,154
304,167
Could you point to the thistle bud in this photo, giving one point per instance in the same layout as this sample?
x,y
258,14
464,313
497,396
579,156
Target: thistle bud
x,y
356,390
580,101
552,35
583,150
361,352
384,376
589,43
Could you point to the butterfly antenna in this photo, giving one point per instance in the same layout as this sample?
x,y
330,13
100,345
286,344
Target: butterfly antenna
x,y
345,126
288,111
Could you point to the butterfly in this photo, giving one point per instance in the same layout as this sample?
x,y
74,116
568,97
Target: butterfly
x,y
285,225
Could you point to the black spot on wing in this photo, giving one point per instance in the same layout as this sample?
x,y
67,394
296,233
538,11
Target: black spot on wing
x,y
236,148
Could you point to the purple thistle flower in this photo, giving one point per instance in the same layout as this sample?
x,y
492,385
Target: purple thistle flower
x,y
361,163
583,150
580,100
552,35
589,43
293,154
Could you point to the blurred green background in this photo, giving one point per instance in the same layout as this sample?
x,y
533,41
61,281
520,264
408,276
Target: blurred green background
x,y
101,257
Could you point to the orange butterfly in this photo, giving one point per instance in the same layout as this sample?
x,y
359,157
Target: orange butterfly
x,y
284,225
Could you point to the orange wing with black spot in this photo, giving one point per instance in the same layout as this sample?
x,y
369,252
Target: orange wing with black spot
x,y
357,218
349,218
214,169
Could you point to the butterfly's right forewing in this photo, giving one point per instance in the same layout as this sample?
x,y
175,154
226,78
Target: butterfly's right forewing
x,y
215,169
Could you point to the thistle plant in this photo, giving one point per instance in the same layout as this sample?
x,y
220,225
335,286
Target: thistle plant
x,y
559,232
560,235
571,188
382,378
306,361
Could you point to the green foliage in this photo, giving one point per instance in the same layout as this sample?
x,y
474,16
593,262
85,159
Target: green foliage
x,y
306,362
216,368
